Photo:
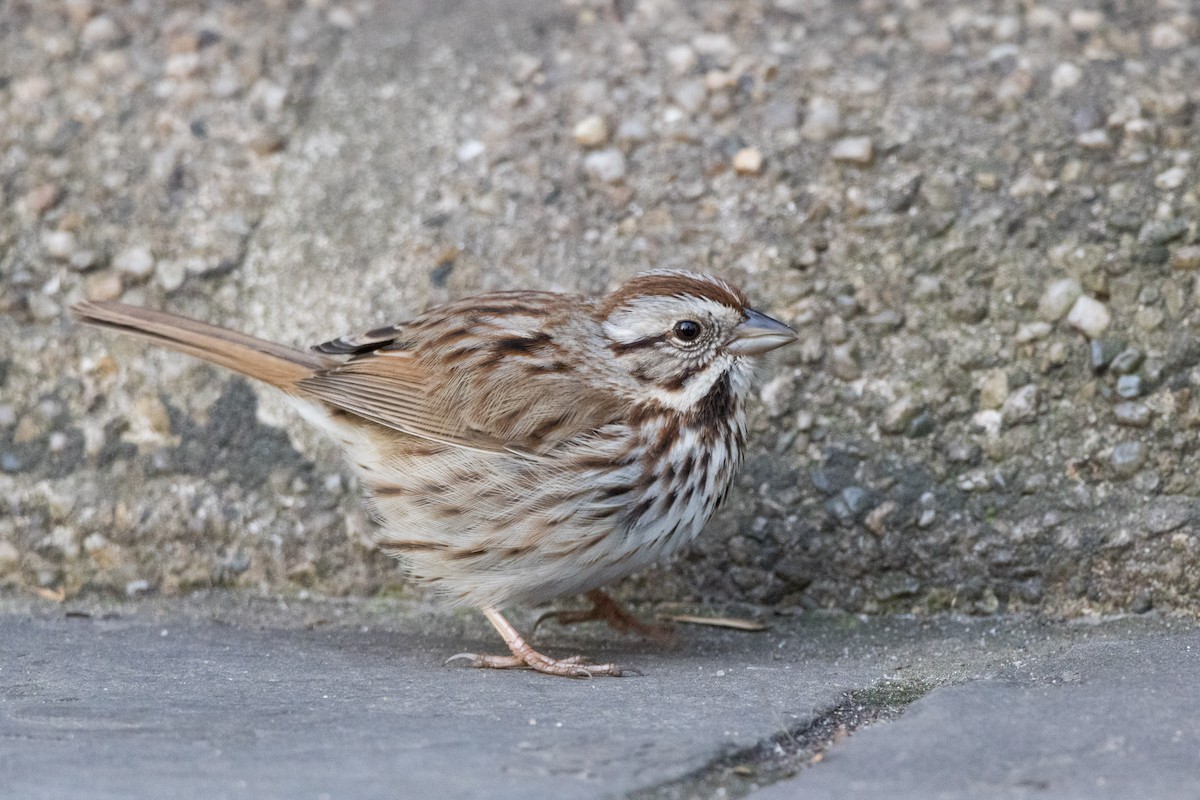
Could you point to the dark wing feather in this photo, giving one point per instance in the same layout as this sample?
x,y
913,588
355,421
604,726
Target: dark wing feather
x,y
359,343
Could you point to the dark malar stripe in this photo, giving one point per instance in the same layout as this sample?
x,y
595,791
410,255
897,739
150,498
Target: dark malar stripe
x,y
713,413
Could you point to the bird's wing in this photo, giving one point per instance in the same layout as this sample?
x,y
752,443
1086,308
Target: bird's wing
x,y
495,374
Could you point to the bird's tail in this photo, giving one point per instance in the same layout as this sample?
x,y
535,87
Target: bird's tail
x,y
276,364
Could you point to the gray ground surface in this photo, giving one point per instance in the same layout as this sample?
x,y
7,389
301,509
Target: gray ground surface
x,y
221,696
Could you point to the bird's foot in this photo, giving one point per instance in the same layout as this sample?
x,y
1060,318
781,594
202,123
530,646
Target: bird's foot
x,y
616,616
525,657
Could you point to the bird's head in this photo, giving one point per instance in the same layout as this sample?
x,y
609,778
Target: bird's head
x,y
678,334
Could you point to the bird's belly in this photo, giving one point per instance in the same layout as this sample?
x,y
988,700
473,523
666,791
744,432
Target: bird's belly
x,y
494,530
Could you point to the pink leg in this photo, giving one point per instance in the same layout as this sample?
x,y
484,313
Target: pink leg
x,y
525,657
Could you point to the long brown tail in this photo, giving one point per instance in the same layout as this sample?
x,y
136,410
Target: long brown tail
x,y
276,364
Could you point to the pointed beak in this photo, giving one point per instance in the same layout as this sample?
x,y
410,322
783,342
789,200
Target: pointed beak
x,y
759,334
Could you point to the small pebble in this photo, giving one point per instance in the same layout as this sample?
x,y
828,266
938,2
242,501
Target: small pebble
x,y
1149,318
1085,20
1089,316
591,131
777,394
1163,231
43,308
1134,415
1032,331
469,150
1170,179
690,95
632,131
170,274
822,120
1186,257
341,17
1065,76
1165,36
1127,458
717,46
748,161
137,262
101,30
136,587
1129,386
42,198
897,417
682,59
844,364
82,260
1058,298
103,286
858,150
606,166
59,244
1127,361
993,391
1094,140
1021,405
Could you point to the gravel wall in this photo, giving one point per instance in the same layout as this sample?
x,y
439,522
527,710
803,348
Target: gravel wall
x,y
982,217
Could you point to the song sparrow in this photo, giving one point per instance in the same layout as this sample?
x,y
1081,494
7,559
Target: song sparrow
x,y
520,446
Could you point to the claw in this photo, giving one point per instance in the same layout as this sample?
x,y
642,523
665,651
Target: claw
x,y
616,616
525,657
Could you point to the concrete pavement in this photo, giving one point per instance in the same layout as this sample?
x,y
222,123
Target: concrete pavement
x,y
220,696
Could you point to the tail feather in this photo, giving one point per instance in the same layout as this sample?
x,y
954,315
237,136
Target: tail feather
x,y
275,364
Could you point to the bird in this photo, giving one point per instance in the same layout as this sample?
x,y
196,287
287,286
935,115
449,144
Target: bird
x,y
520,446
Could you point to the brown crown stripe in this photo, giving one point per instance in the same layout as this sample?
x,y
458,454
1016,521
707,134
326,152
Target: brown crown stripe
x,y
673,285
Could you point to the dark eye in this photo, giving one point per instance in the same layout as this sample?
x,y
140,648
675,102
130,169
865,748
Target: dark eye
x,y
686,330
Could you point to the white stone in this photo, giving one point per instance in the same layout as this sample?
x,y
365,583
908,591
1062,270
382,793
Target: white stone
x,y
715,45
43,308
59,244
690,95
1032,331
822,119
682,59
1058,298
1021,405
1065,76
591,131
469,150
777,393
1170,179
1165,36
633,131
136,261
1094,140
854,150
170,274
94,542
1085,20
100,30
607,166
1089,316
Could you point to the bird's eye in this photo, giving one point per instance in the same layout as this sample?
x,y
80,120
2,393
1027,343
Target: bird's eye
x,y
686,330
